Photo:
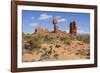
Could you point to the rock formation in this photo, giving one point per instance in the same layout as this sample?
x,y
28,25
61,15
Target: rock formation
x,y
46,31
55,22
41,31
73,28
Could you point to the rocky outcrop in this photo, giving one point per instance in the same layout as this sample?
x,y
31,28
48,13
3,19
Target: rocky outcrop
x,y
46,31
73,28
56,28
41,31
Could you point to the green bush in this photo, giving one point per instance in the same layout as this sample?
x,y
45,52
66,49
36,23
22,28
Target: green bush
x,y
73,37
27,37
33,41
66,40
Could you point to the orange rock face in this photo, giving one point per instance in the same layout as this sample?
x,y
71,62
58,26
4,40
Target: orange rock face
x,y
73,28
56,29
41,31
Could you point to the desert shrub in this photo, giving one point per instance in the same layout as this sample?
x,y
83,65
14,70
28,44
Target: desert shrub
x,y
63,38
46,38
45,54
49,39
87,52
36,45
83,52
84,38
32,46
37,41
36,38
66,40
56,56
25,46
72,37
31,42
27,37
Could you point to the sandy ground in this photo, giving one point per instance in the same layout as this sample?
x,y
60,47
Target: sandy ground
x,y
50,52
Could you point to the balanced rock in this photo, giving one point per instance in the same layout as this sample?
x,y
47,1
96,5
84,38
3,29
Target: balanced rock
x,y
56,28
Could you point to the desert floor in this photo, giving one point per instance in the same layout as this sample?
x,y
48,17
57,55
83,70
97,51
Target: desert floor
x,y
51,52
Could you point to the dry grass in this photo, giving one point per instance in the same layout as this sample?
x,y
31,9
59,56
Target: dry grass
x,y
46,48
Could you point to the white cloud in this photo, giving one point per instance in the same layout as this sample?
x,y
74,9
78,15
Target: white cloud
x,y
81,31
44,16
34,24
62,20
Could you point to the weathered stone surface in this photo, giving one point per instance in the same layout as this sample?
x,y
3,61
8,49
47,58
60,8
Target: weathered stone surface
x,y
41,31
56,28
46,31
73,28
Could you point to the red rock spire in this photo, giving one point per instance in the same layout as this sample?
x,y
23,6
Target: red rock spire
x,y
55,22
73,28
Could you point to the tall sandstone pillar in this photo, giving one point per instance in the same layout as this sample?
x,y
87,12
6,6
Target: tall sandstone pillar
x,y
73,28
55,22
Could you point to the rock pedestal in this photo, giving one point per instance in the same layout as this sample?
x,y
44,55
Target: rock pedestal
x,y
55,22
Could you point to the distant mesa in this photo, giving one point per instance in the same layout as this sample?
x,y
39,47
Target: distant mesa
x,y
41,31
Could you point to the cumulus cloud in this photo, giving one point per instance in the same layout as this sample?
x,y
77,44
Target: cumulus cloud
x,y
44,16
62,20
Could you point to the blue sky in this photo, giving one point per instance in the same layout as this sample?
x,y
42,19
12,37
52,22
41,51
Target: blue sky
x,y
32,19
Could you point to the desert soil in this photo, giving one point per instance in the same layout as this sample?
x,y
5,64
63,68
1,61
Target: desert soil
x,y
51,52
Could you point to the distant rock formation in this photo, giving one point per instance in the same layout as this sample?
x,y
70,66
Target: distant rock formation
x,y
56,28
73,28
41,31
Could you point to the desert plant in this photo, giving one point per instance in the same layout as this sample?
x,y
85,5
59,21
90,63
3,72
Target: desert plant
x,y
31,42
67,40
27,37
83,52
84,38
45,54
73,37
48,39
56,56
